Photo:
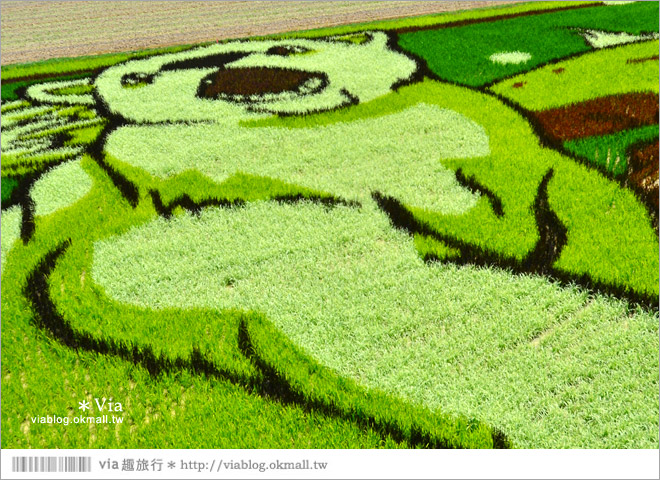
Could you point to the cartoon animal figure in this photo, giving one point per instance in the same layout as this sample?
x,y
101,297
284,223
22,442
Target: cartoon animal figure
x,y
415,150
352,119
190,111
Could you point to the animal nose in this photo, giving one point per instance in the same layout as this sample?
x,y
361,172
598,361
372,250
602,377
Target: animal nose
x,y
244,83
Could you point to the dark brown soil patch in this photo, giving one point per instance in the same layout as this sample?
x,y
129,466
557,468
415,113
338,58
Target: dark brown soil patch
x,y
559,70
255,81
518,84
600,116
643,171
640,60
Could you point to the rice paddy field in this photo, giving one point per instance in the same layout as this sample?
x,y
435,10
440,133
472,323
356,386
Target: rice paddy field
x,y
430,232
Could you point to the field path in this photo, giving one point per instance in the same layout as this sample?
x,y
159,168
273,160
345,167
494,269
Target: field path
x,y
38,30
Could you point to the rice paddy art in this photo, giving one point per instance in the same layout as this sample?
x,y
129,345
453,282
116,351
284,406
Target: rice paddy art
x,y
413,234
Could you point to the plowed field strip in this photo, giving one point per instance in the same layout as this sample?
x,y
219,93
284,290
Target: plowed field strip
x,y
34,31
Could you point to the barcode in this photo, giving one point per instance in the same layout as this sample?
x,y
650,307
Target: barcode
x,y
51,464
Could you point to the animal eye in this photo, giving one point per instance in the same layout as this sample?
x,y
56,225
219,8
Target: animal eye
x,y
287,50
133,80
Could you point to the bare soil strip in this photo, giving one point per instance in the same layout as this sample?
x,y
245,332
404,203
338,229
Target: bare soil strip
x,y
36,30
644,171
599,116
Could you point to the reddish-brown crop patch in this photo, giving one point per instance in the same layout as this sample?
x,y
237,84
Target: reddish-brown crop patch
x,y
559,70
600,116
518,84
643,171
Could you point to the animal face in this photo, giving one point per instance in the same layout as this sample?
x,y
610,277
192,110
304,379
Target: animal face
x,y
238,79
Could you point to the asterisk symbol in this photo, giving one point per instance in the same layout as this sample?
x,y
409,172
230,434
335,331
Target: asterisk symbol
x,y
171,464
84,405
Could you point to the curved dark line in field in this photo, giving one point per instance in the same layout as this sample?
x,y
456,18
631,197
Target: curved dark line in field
x,y
272,386
21,194
27,208
276,386
552,233
195,206
47,318
557,145
421,69
470,254
127,188
328,201
47,76
184,201
402,218
473,255
544,140
474,186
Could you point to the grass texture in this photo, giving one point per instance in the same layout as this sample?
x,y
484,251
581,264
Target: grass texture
x,y
357,237
610,71
60,187
610,152
462,54
364,302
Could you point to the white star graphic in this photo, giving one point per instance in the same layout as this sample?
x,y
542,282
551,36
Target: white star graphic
x,y
84,405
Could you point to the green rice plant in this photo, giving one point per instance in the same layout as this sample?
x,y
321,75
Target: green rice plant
x,y
611,71
8,186
245,355
430,248
73,90
248,280
583,200
322,387
57,66
10,88
159,410
344,306
9,106
60,187
462,54
31,136
226,360
610,152
441,19
84,135
67,92
11,227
